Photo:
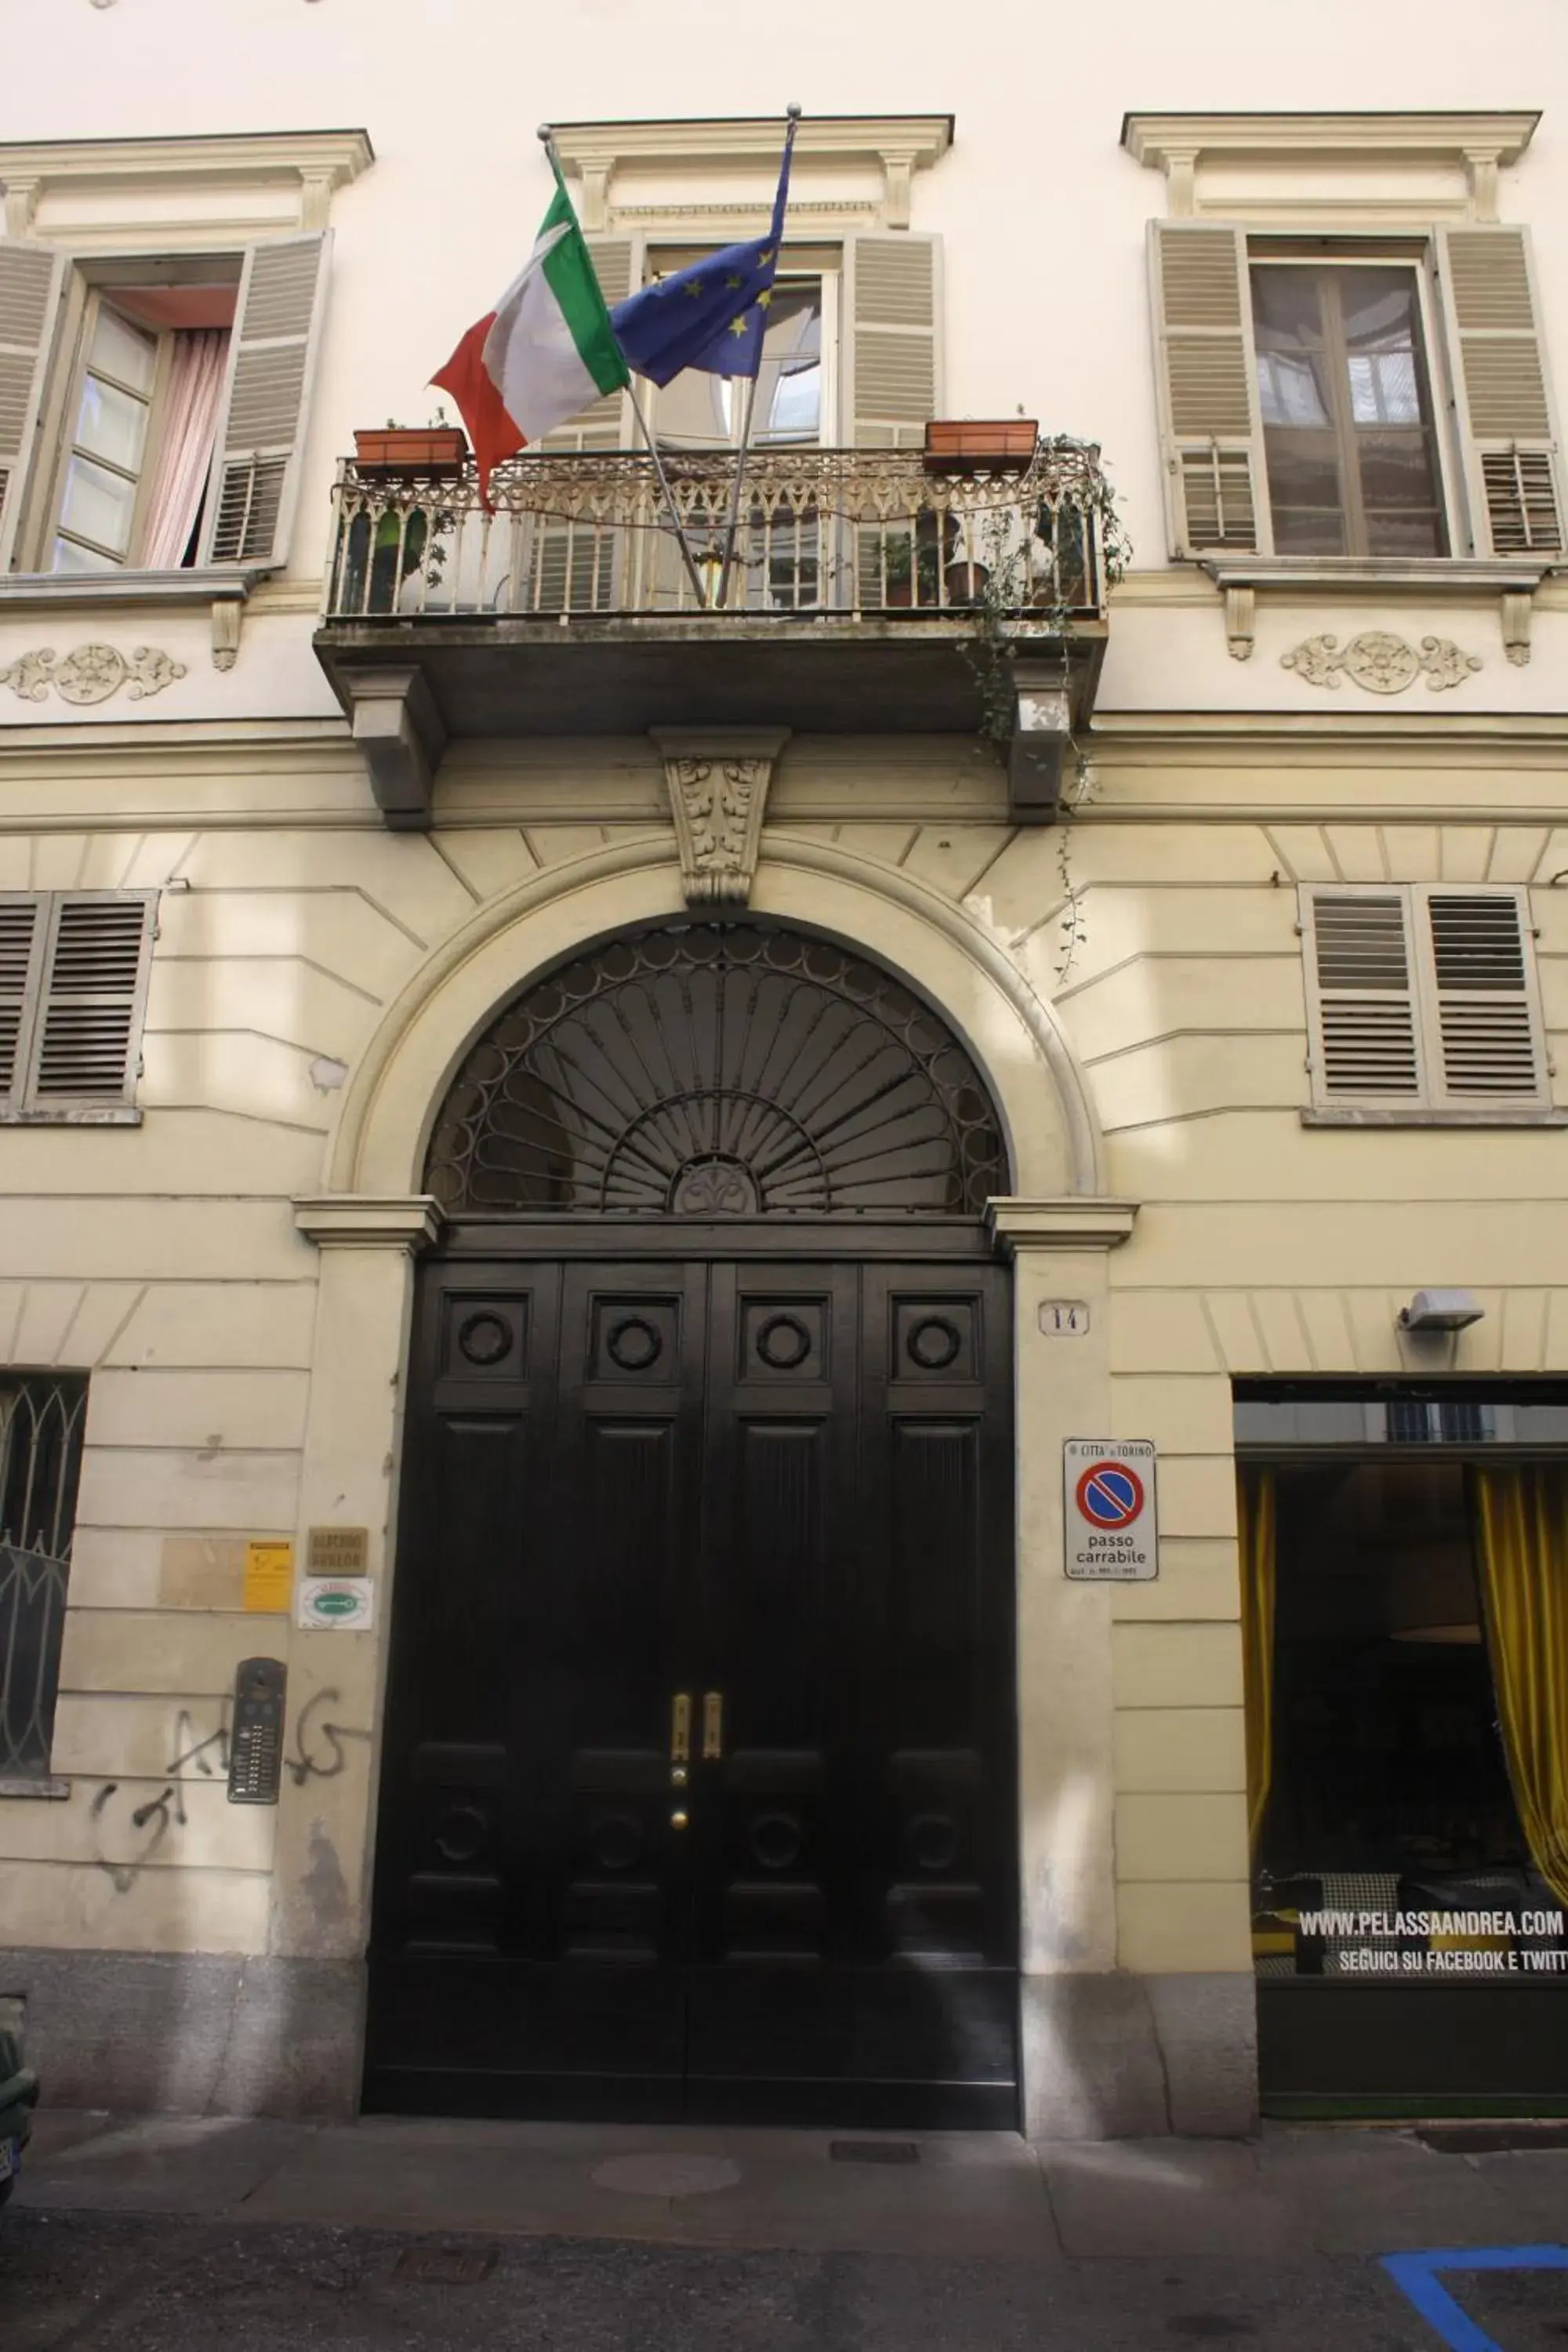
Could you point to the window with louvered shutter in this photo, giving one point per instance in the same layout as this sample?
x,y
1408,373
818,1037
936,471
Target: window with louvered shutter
x,y
31,280
256,471
891,363
1422,999
74,967
1215,484
1501,394
22,928
1360,987
1483,1022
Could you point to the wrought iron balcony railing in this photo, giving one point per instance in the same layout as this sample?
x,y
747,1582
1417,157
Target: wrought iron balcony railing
x,y
848,533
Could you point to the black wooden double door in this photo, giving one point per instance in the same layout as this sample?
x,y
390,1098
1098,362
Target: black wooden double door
x,y
699,1791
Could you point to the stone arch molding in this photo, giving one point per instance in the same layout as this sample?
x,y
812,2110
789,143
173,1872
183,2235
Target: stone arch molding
x,y
379,1146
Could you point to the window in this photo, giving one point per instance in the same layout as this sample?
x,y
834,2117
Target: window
x,y
1349,443
789,408
153,409
74,967
1388,1790
143,414
41,1417
852,359
1303,382
1423,999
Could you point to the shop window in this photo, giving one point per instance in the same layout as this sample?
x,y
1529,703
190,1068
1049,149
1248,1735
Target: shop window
x,y
41,1416
1406,1625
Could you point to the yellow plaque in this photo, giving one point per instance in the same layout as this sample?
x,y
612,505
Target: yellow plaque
x,y
268,1575
339,1552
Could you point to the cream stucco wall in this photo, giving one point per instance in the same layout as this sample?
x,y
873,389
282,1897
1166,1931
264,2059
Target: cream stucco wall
x,y
315,977
167,1258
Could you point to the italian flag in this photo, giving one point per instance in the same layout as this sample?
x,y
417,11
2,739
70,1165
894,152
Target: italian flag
x,y
546,351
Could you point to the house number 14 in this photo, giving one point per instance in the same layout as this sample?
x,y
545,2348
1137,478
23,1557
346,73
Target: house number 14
x,y
1064,1318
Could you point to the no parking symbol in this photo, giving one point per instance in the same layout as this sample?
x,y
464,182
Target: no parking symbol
x,y
1110,1535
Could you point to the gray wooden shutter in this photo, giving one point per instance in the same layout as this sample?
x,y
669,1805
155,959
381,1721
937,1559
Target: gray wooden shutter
x,y
575,567
1216,484
255,479
87,1037
1360,997
1497,364
31,280
22,928
1485,1041
892,340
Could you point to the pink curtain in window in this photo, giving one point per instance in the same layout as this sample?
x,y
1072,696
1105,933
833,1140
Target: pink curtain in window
x,y
185,453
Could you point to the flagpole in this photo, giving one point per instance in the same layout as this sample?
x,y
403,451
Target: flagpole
x,y
792,117
687,556
734,521
547,140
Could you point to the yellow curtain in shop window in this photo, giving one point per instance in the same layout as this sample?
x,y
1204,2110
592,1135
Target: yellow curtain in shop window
x,y
1522,1515
1256,1518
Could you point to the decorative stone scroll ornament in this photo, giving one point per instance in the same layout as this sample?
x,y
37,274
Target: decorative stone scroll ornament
x,y
718,780
91,673
1381,661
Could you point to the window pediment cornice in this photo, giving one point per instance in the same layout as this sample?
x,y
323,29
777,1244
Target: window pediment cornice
x,y
689,154
316,162
1440,165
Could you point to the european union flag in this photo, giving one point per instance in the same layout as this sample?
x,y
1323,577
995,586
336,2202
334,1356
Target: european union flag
x,y
711,314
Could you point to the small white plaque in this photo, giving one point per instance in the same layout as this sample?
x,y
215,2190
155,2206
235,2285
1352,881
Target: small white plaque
x,y
1064,1318
1110,1511
336,1604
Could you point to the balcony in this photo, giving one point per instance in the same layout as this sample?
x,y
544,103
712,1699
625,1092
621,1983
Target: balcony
x,y
868,591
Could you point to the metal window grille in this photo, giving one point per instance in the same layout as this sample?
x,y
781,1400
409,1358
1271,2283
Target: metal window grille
x,y
41,1417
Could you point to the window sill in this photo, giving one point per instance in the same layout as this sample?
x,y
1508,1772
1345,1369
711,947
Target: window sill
x,y
1436,578
47,1785
223,589
1352,1115
90,1114
183,586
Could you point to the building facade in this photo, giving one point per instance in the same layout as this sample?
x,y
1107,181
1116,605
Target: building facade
x,y
610,1171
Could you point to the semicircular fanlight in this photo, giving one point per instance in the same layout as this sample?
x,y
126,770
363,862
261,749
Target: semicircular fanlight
x,y
717,1069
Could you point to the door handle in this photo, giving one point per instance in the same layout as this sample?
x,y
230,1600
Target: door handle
x,y
712,1725
680,1727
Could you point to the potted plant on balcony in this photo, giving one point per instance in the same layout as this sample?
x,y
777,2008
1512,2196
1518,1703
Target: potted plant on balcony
x,y
959,443
911,574
914,557
430,453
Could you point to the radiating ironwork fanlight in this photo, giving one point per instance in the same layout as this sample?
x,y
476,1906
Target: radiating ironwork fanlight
x,y
710,1070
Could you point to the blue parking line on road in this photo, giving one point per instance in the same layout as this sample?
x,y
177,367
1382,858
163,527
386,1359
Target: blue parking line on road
x,y
1416,2277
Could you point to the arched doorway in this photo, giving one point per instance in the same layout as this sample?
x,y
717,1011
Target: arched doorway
x,y
698,1794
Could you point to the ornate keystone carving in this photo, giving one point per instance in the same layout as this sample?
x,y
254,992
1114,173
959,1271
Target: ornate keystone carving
x,y
91,673
718,780
1381,661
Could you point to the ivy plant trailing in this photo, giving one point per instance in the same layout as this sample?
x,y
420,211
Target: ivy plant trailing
x,y
1004,590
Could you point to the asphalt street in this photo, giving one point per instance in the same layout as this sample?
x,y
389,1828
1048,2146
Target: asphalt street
x,y
213,2235
147,2283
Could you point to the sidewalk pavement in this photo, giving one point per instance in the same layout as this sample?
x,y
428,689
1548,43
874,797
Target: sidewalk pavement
x,y
1289,2196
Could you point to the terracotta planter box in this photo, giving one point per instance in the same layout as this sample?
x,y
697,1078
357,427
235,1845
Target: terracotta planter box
x,y
955,444
435,453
